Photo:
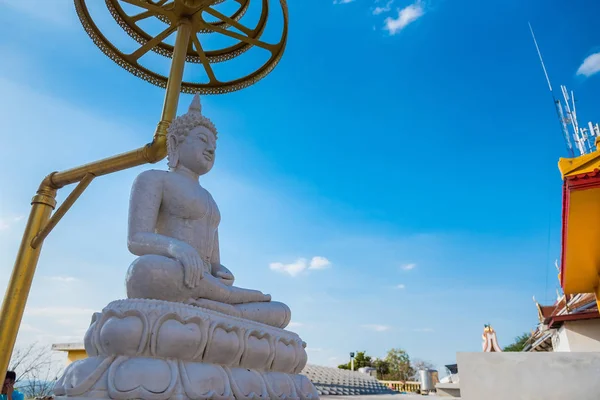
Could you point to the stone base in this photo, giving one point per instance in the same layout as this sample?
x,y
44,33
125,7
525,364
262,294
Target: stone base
x,y
123,378
156,350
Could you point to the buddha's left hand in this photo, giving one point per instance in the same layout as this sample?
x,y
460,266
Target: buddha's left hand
x,y
224,275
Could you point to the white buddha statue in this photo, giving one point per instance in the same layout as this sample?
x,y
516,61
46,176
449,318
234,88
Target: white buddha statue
x,y
173,228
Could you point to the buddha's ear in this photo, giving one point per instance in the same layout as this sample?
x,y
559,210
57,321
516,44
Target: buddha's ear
x,y
172,151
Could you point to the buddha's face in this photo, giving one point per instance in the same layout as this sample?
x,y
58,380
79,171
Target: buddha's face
x,y
197,151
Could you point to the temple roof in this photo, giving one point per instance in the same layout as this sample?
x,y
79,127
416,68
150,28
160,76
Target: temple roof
x,y
571,305
568,308
547,311
579,165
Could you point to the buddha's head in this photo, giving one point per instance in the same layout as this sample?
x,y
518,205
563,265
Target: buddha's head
x,y
192,140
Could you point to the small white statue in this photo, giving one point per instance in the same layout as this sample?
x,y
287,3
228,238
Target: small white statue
x,y
173,228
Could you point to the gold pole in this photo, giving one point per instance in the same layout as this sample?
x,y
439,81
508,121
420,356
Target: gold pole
x,y
44,201
22,275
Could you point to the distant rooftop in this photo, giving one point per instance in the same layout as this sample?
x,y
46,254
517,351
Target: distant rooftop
x,y
68,346
577,307
569,308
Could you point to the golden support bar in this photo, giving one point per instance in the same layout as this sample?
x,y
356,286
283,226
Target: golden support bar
x,y
62,210
40,223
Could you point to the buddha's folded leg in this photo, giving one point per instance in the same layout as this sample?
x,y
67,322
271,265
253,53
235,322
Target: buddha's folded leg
x,y
212,288
162,278
270,313
215,306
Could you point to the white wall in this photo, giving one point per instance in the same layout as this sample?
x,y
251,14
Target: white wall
x,y
584,335
578,336
543,375
560,340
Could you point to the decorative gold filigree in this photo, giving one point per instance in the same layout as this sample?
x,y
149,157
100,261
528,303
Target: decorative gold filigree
x,y
171,12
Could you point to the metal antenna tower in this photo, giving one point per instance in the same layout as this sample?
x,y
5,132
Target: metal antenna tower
x,y
557,104
584,138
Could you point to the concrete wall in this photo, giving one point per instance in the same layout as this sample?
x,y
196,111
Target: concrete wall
x,y
529,376
560,340
578,336
583,335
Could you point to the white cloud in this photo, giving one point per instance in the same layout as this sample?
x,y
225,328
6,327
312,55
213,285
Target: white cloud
x,y
29,328
314,350
376,327
342,1
300,265
590,66
400,286
68,321
7,222
295,324
406,16
408,267
292,269
319,262
63,279
58,312
380,10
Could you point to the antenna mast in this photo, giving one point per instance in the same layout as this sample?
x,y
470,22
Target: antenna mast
x,y
585,138
557,104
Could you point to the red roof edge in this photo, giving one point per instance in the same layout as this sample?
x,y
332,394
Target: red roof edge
x,y
583,176
558,320
563,250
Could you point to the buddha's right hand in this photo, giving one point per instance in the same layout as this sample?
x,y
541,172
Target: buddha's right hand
x,y
193,268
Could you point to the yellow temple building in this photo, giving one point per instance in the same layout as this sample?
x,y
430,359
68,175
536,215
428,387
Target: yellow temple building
x,y
572,323
75,351
580,252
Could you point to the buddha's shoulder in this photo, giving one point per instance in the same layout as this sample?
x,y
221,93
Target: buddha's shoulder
x,y
151,177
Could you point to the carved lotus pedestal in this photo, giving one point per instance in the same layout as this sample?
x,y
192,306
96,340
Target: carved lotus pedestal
x,y
156,350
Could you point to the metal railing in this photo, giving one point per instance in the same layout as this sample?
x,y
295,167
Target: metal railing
x,y
400,386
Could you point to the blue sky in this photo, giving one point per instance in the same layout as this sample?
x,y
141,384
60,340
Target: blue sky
x,y
412,145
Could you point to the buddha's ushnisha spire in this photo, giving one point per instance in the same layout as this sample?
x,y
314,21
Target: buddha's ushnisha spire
x,y
195,106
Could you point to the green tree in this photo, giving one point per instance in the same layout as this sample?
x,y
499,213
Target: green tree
x,y
361,359
519,343
382,367
399,365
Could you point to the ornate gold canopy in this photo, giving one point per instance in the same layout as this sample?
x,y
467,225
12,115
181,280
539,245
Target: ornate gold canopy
x,y
205,21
